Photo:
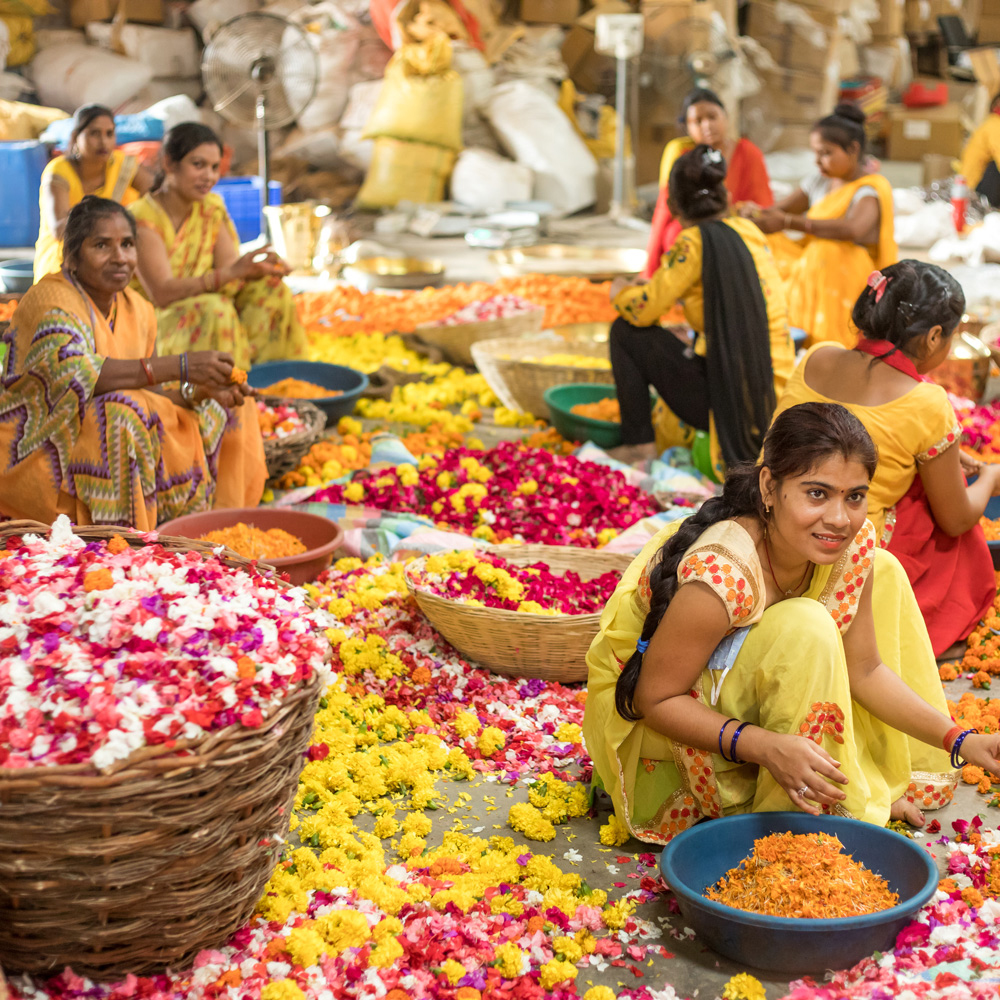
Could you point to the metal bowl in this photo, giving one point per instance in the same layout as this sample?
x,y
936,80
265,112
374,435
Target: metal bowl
x,y
370,273
967,369
17,275
594,263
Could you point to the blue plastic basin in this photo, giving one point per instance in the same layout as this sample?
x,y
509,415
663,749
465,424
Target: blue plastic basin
x,y
349,382
699,857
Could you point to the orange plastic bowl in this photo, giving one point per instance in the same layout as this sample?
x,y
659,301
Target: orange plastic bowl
x,y
321,537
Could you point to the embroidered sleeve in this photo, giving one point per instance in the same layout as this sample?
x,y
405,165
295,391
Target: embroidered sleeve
x,y
848,577
643,305
940,447
940,426
727,576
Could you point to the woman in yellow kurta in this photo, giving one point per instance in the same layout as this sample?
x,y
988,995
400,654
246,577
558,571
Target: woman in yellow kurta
x,y
91,165
764,654
908,316
722,272
981,157
87,428
847,216
208,297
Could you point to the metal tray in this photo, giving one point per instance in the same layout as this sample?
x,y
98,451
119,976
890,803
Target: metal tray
x,y
595,263
394,272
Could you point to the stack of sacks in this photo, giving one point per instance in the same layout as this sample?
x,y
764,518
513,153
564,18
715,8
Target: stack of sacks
x,y
17,28
416,125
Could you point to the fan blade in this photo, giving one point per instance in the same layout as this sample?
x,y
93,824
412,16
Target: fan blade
x,y
228,99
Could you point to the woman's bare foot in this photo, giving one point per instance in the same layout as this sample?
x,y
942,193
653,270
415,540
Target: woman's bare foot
x,y
907,812
630,454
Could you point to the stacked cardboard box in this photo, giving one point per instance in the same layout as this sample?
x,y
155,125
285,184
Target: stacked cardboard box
x,y
989,23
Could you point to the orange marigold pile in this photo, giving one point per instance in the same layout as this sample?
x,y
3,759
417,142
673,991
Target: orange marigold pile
x,y
255,543
296,388
991,529
802,875
604,409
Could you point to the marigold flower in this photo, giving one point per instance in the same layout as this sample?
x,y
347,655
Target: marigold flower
x,y
526,819
554,972
98,579
614,833
743,986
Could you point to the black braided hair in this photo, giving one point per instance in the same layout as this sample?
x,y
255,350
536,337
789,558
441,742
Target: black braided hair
x,y
82,218
799,439
697,184
844,127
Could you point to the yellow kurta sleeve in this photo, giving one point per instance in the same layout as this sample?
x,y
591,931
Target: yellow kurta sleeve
x,y
939,424
982,149
643,305
672,152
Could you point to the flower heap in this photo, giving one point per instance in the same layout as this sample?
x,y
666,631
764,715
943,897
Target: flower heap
x,y
487,580
279,421
508,493
105,649
980,428
484,310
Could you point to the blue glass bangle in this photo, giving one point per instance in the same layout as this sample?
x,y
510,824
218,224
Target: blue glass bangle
x,y
722,753
732,746
642,645
957,745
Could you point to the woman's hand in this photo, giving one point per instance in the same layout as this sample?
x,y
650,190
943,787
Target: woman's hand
x,y
208,369
620,284
797,763
747,209
983,750
229,396
260,263
769,220
970,466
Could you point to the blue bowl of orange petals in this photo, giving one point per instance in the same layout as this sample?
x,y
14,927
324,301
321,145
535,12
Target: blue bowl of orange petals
x,y
695,860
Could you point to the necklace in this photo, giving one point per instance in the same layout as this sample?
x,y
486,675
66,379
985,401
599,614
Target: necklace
x,y
791,590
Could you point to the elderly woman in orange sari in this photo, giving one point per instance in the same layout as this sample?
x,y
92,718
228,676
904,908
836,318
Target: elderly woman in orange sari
x,y
209,297
88,425
847,216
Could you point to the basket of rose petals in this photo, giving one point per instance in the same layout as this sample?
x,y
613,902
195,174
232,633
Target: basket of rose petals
x,y
526,610
290,427
156,700
499,316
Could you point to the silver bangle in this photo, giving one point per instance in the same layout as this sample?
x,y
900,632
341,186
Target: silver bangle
x,y
187,393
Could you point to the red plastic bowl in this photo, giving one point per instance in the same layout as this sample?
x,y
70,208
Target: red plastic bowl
x,y
321,537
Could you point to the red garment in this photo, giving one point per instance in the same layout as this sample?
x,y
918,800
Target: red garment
x,y
952,578
746,180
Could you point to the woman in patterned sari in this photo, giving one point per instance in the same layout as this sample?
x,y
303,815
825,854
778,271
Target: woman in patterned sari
x,y
87,425
208,297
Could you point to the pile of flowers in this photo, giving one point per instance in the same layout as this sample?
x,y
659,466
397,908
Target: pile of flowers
x,y
105,649
367,352
604,409
991,529
280,421
485,310
487,580
980,428
296,388
507,492
255,543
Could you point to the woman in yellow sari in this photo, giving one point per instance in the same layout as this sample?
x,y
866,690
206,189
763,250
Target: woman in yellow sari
x,y
88,427
91,165
847,216
208,297
764,654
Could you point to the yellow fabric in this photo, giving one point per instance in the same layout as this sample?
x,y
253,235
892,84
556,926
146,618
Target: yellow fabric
x,y
672,152
124,457
20,121
790,676
21,32
982,149
824,278
253,320
904,430
48,249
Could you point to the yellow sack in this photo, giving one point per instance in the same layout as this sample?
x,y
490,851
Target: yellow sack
x,y
25,121
405,171
25,8
603,146
22,38
421,97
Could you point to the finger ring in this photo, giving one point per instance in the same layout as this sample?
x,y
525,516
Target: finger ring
x,y
802,791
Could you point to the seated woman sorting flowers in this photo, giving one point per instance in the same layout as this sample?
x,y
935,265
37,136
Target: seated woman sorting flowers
x,y
87,428
763,654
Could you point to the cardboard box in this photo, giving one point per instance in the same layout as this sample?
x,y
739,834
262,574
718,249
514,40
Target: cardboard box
x,y
989,29
914,134
891,21
921,15
143,11
591,72
550,11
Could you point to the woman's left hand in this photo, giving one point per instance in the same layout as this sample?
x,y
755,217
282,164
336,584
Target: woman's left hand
x,y
970,466
769,220
229,396
620,284
983,750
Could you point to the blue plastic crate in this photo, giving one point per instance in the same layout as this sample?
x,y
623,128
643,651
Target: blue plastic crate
x,y
21,166
242,196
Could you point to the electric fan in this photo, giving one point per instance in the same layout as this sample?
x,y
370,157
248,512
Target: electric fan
x,y
260,72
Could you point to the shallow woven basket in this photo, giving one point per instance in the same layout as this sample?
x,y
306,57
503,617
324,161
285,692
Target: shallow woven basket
x,y
521,385
514,642
457,341
284,454
141,868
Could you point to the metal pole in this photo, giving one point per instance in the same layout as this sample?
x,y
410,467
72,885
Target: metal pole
x,y
621,104
262,161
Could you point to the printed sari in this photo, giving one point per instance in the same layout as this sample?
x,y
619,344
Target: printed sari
x,y
129,457
253,320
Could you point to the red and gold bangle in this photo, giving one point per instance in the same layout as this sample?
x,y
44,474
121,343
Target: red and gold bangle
x,y
147,368
949,737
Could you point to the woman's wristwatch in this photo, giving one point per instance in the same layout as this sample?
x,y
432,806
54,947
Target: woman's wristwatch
x,y
187,393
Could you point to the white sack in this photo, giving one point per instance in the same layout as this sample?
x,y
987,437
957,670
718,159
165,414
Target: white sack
x,y
361,104
485,181
165,91
535,132
45,38
68,76
207,15
925,227
168,53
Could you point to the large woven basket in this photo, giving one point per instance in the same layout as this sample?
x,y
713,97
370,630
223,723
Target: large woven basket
x,y
457,341
141,868
284,454
521,385
553,647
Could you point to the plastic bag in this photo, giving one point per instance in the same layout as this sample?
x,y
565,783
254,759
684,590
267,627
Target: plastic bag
x,y
422,97
534,131
485,181
405,171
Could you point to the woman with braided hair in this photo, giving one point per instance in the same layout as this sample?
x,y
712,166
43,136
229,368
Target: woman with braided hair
x,y
764,654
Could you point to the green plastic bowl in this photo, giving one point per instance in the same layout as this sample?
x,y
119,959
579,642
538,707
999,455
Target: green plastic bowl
x,y
562,398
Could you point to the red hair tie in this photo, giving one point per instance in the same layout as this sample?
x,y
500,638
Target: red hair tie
x,y
877,282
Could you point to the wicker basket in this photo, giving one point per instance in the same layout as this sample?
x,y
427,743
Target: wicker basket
x,y
521,385
457,341
141,868
284,454
514,642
